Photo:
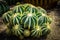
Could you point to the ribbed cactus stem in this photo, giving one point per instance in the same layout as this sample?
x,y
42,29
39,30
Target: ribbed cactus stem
x,y
37,21
24,25
31,10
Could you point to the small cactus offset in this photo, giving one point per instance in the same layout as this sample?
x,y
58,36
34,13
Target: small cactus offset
x,y
26,20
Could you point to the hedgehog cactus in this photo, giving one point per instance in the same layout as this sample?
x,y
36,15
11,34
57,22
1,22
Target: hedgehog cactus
x,y
28,20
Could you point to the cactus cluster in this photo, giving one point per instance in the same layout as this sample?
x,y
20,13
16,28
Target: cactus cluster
x,y
27,20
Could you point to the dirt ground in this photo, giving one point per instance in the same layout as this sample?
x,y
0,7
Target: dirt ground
x,y
55,27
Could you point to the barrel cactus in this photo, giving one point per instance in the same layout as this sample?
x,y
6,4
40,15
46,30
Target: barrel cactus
x,y
28,21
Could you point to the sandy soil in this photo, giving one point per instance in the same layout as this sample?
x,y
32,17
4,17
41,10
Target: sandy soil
x,y
55,26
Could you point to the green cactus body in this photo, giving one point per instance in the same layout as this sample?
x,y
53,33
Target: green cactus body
x,y
7,16
16,18
17,30
36,32
29,20
18,9
39,31
45,29
42,19
31,9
